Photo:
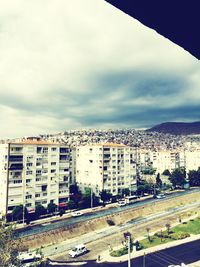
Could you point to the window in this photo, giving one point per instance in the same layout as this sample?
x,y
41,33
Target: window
x,y
53,163
29,172
45,149
44,187
37,195
29,164
28,196
53,171
17,181
53,148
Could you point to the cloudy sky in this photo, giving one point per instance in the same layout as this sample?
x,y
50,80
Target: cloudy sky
x,y
77,64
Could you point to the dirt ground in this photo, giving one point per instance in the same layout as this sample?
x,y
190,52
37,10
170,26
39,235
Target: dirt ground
x,y
138,232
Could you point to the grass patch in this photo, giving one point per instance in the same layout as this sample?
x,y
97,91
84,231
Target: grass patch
x,y
178,232
155,241
191,227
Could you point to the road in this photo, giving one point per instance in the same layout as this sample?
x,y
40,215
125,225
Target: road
x,y
187,253
99,235
41,228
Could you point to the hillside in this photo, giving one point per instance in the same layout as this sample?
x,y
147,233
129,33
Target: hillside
x,y
177,128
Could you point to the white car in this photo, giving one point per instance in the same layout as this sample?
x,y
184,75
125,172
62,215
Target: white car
x,y
28,259
77,251
160,196
76,213
121,203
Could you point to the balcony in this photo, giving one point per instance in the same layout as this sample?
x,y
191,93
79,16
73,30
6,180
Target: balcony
x,y
15,159
64,150
16,166
16,150
64,164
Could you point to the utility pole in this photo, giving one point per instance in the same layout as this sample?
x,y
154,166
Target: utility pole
x,y
144,260
129,251
23,208
91,197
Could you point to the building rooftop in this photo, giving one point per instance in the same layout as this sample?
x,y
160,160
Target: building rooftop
x,y
34,142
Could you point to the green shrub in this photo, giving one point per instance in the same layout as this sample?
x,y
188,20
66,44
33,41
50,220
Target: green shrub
x,y
179,235
119,252
163,235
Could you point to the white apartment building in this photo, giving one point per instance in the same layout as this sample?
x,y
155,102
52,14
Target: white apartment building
x,y
192,160
169,160
34,172
165,160
110,167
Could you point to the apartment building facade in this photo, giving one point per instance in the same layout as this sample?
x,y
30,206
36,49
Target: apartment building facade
x,y
34,172
170,159
110,167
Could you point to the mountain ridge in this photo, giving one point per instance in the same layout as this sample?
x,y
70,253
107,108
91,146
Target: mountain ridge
x,y
177,128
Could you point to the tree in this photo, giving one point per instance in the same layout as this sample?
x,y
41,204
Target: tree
x,y
86,200
72,205
51,208
18,213
166,172
9,246
75,194
148,235
194,177
149,171
158,181
177,178
74,189
105,196
168,226
125,192
40,210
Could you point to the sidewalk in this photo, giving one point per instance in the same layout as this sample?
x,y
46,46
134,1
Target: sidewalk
x,y
105,257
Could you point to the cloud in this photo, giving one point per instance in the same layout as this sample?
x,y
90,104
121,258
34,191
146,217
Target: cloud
x,y
67,64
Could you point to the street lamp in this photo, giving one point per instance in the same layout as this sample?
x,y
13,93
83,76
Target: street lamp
x,y
91,197
128,238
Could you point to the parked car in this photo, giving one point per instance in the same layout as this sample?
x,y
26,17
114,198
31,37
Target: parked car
x,y
159,196
76,213
28,259
78,250
121,203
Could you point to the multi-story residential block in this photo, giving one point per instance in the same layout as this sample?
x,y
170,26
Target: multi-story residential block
x,y
165,160
192,160
110,167
34,172
170,159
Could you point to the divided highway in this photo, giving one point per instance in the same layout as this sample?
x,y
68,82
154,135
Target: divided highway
x,y
41,228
